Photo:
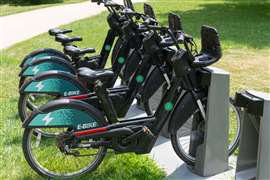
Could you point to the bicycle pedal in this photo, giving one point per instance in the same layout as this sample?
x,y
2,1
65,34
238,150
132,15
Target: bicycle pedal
x,y
148,132
144,131
74,153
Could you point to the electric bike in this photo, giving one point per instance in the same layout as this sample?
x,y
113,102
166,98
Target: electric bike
x,y
154,81
73,57
60,36
55,84
87,132
117,94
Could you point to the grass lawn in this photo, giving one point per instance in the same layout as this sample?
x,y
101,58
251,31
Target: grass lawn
x,y
8,9
244,29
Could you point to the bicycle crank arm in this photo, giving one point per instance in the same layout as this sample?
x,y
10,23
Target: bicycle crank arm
x,y
94,144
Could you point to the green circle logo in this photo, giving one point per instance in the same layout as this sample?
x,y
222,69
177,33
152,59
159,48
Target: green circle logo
x,y
107,47
168,106
139,78
121,60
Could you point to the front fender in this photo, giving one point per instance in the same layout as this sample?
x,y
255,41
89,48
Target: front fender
x,y
131,65
183,111
116,49
42,53
153,82
47,63
54,82
74,114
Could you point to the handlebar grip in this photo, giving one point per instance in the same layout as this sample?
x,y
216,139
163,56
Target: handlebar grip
x,y
166,43
142,28
170,42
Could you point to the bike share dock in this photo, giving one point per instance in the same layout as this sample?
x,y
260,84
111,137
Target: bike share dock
x,y
253,161
212,154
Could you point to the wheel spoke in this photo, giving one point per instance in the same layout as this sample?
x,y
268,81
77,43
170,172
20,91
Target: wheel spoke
x,y
38,139
194,124
50,161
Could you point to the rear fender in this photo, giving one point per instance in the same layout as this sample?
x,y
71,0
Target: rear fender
x,y
47,63
42,53
54,82
74,114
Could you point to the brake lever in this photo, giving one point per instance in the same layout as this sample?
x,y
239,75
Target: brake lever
x,y
131,13
181,38
149,21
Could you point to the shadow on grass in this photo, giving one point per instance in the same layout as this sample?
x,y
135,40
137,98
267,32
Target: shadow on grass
x,y
126,166
239,23
120,167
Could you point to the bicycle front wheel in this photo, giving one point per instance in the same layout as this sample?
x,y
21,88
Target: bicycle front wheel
x,y
194,129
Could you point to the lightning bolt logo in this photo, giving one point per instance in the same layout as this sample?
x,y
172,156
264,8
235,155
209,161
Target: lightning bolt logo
x,y
39,86
47,119
35,70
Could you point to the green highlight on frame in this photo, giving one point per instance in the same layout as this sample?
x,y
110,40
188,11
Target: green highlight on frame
x,y
121,60
139,78
168,106
107,47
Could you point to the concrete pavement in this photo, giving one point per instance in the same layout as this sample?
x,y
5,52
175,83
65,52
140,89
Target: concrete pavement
x,y
175,168
22,26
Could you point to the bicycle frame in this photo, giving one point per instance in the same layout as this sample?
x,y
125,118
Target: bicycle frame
x,y
122,55
122,97
41,61
77,61
152,124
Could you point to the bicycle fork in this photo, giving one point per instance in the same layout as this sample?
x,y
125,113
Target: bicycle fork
x,y
199,104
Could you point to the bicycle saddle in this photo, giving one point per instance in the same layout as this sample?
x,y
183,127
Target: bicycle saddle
x,y
76,52
92,76
56,31
64,39
211,49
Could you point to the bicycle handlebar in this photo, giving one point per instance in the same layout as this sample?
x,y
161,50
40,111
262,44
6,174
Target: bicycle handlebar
x,y
108,3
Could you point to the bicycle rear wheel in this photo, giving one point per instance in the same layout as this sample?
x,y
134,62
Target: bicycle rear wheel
x,y
45,157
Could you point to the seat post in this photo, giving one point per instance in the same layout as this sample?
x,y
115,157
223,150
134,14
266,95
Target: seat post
x,y
105,101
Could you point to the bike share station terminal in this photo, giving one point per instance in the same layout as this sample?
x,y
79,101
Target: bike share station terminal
x,y
212,154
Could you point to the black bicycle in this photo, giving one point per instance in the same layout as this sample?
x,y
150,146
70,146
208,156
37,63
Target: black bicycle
x,y
54,84
123,95
73,57
87,132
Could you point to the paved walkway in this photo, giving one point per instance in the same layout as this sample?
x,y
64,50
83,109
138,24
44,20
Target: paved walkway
x,y
22,26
